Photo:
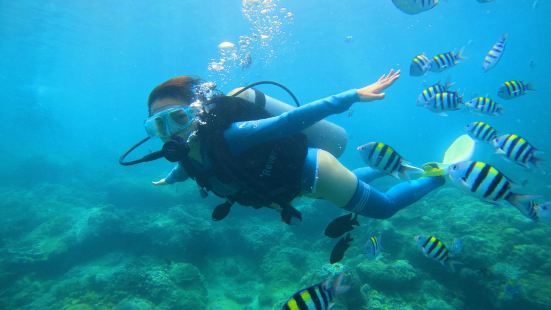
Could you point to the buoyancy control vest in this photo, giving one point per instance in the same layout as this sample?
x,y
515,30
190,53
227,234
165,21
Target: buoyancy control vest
x,y
265,175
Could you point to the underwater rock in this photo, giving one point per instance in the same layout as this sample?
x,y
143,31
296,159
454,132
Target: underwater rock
x,y
438,304
187,276
529,255
399,275
133,303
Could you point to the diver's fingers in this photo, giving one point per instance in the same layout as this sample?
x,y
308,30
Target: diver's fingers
x,y
378,96
391,79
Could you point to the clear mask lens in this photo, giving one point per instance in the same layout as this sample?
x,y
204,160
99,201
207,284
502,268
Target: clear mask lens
x,y
169,122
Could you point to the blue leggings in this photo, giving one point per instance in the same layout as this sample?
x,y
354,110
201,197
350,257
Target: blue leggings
x,y
370,202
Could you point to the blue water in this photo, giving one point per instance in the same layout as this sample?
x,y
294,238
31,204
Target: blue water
x,y
75,78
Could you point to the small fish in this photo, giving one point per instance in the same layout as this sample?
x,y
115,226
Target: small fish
x,y
338,251
494,55
350,113
514,88
531,211
384,158
445,61
341,225
413,7
516,149
445,101
481,131
485,1
221,211
348,39
428,93
373,247
433,248
317,297
488,183
484,105
419,65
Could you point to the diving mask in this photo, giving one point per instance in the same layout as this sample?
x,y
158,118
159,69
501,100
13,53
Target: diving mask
x,y
168,122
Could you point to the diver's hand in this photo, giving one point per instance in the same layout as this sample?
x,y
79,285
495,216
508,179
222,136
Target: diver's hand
x,y
375,91
160,182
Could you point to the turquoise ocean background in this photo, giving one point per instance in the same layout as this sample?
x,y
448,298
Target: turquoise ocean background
x,y
78,231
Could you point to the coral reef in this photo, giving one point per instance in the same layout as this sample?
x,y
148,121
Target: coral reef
x,y
64,246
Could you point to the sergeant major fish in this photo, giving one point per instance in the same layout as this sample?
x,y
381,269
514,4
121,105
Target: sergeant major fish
x,y
445,101
419,65
514,88
494,55
433,248
484,105
445,61
481,131
316,297
428,93
518,150
384,158
488,183
532,211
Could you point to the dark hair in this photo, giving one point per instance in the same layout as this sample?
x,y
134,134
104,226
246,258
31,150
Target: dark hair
x,y
180,87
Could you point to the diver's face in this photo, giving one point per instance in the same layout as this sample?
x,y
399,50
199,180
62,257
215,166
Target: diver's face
x,y
160,105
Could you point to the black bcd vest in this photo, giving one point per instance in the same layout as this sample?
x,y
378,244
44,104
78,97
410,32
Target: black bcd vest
x,y
267,173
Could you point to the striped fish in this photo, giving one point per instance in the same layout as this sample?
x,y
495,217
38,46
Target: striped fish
x,y
514,88
445,101
373,246
419,65
444,61
486,182
494,55
532,211
517,149
484,105
384,158
316,297
428,93
481,131
433,248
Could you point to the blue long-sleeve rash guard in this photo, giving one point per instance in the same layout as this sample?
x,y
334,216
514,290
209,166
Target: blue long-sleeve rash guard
x,y
243,135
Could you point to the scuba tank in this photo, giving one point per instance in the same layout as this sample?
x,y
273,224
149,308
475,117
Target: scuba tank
x,y
323,135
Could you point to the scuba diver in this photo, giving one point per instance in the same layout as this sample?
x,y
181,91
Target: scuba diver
x,y
242,152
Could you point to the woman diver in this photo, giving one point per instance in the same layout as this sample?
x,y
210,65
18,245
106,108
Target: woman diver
x,y
240,152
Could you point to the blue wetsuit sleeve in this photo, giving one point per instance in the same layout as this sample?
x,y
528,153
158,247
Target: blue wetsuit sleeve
x,y
242,135
178,174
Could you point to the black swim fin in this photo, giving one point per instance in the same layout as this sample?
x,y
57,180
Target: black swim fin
x,y
288,212
221,211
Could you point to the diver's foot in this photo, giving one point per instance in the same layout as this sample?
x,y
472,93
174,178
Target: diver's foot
x,y
433,169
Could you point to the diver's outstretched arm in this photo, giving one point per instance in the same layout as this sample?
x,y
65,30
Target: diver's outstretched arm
x,y
177,174
242,135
